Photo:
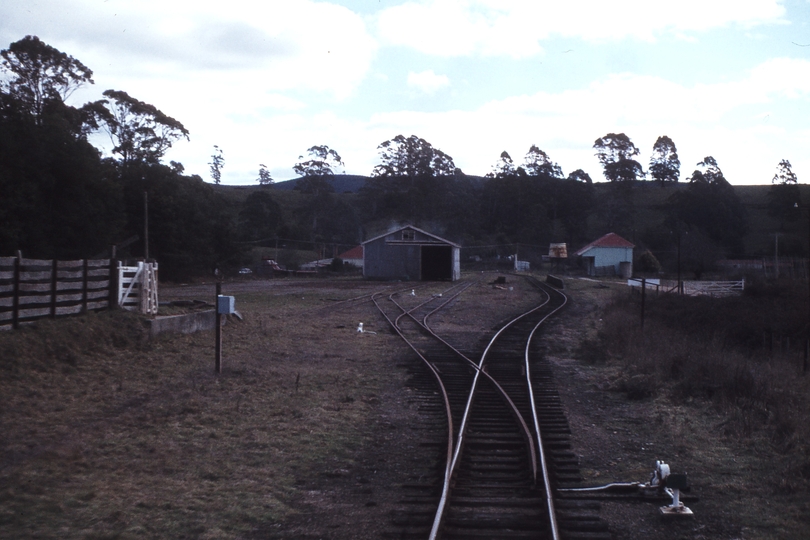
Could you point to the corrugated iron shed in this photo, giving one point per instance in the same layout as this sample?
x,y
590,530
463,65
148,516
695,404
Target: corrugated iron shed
x,y
408,253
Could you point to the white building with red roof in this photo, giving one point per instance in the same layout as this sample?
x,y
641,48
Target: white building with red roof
x,y
354,256
608,255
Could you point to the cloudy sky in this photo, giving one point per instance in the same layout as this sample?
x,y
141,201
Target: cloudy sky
x,y
265,80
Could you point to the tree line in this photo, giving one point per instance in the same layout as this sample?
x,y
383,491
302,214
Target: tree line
x,y
63,199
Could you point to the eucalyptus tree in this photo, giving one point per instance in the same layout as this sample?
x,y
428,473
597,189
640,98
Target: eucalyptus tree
x,y
664,163
317,170
58,198
503,167
515,205
580,176
411,157
411,180
264,178
138,131
577,202
784,174
615,152
538,163
711,205
41,73
260,217
784,197
217,164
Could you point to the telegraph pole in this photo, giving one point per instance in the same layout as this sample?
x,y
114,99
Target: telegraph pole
x,y
146,225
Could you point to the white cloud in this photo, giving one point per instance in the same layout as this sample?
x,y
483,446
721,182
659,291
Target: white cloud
x,y
517,28
254,78
565,124
457,28
427,81
304,44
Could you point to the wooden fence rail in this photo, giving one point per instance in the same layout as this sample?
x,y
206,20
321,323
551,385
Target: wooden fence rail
x,y
713,288
32,289
692,288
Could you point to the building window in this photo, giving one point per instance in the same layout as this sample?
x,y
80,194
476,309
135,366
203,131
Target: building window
x,y
408,234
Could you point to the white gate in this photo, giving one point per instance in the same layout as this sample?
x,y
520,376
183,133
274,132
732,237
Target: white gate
x,y
138,288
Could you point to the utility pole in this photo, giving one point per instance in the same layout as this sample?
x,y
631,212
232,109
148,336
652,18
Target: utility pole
x,y
146,225
643,299
680,286
218,330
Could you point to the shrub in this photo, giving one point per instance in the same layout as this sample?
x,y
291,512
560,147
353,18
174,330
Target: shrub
x,y
336,265
648,263
702,349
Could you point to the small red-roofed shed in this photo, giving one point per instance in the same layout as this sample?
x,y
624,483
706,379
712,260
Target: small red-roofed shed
x,y
353,257
608,255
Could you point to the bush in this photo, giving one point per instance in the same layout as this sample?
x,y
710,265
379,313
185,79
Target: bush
x,y
648,263
336,265
702,349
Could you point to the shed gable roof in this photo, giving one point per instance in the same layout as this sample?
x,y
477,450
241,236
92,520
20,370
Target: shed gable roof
x,y
610,240
433,236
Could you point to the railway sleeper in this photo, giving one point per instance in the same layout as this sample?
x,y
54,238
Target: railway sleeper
x,y
485,440
576,504
495,481
587,535
490,535
488,458
583,523
494,521
530,500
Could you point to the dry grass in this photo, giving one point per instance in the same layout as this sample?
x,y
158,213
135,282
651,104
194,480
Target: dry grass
x,y
736,416
104,434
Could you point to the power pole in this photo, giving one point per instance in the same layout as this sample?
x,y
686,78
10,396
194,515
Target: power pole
x,y
146,225
218,330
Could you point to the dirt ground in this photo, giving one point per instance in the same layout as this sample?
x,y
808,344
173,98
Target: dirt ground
x,y
619,440
309,431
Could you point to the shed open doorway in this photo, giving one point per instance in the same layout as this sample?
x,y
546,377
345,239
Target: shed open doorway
x,y
437,263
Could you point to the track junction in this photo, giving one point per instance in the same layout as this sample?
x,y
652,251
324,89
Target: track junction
x,y
492,413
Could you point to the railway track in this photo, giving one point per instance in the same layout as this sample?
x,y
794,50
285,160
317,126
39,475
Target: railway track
x,y
498,428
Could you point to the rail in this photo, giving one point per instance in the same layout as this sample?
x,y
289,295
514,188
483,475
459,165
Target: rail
x,y
478,371
543,463
466,415
436,376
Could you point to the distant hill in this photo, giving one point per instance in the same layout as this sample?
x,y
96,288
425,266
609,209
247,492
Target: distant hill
x,y
343,183
351,183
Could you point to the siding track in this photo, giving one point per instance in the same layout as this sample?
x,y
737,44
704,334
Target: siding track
x,y
498,427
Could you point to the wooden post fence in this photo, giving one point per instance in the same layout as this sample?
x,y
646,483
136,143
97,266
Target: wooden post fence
x,y
32,289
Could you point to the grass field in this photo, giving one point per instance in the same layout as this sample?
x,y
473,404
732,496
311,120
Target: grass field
x,y
307,432
105,434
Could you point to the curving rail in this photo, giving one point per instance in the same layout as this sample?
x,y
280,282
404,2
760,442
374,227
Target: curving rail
x,y
449,471
505,506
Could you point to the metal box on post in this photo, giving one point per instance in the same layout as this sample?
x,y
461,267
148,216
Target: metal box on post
x,y
226,305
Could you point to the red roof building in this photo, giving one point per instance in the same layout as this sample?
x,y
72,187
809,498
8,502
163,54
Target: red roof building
x,y
608,255
354,256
